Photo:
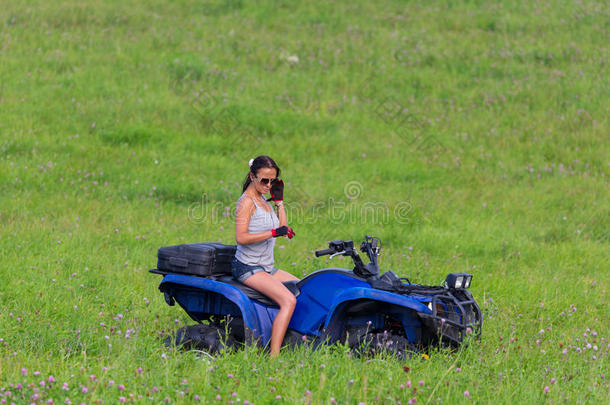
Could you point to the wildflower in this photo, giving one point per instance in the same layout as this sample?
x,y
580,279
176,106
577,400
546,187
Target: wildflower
x,y
84,389
122,399
51,379
467,394
421,383
24,371
121,387
547,389
65,387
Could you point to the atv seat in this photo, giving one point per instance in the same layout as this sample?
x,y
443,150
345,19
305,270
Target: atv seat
x,y
255,295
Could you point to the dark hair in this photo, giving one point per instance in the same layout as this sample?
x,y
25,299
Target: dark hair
x,y
262,161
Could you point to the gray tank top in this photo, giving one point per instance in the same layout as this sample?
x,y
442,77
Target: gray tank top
x,y
259,253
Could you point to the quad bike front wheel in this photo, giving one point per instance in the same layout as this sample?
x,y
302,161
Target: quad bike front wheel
x,y
373,343
208,338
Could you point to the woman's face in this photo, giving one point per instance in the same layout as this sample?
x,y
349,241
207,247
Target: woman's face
x,y
263,173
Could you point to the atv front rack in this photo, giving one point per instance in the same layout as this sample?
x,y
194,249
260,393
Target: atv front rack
x,y
455,314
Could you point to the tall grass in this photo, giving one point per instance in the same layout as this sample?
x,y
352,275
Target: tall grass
x,y
468,136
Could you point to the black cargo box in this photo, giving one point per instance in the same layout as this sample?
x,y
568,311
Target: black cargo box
x,y
199,259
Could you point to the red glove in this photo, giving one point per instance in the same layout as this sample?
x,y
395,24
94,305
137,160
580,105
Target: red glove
x,y
281,231
277,191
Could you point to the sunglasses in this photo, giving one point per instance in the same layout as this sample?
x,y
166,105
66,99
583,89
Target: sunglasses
x,y
266,181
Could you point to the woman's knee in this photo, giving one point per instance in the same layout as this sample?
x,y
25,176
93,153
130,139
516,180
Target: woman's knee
x,y
288,300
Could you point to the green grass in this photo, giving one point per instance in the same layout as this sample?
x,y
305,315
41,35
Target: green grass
x,y
470,136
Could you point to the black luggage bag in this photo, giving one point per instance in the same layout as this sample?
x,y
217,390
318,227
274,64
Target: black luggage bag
x,y
199,259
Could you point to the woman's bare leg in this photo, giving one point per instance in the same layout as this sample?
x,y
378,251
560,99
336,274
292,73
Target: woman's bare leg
x,y
284,276
274,289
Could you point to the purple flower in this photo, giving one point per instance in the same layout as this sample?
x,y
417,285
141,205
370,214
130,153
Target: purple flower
x,y
51,379
139,370
466,393
84,389
218,397
24,371
122,399
121,387
65,387
421,383
547,389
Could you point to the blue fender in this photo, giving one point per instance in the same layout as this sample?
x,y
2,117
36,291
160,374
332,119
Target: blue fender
x,y
199,302
371,294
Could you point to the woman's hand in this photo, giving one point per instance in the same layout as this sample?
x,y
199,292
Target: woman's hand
x,y
277,191
283,231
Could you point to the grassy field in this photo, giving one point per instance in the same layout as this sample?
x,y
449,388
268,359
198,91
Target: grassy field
x,y
466,135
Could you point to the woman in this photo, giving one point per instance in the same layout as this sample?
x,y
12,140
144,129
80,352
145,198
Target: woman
x,y
256,227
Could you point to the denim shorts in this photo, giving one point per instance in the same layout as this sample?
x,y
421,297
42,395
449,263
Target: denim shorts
x,y
242,271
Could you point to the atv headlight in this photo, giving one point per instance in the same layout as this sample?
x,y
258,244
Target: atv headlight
x,y
458,280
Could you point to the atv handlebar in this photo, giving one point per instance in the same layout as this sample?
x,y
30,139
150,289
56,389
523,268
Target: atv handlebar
x,y
371,246
324,252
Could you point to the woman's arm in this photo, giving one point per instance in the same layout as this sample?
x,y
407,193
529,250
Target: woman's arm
x,y
281,214
243,213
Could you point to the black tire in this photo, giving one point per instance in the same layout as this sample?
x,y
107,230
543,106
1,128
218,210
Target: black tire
x,y
207,338
375,343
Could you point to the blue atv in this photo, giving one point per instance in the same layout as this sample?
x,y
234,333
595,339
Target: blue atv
x,y
359,307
